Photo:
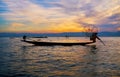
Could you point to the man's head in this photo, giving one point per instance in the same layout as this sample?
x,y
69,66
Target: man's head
x,y
95,33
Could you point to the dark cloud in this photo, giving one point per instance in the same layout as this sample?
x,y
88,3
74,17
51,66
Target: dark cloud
x,y
114,18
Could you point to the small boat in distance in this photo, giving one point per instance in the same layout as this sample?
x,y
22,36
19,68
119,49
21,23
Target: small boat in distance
x,y
56,43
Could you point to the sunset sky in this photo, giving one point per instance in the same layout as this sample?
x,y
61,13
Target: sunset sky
x,y
44,16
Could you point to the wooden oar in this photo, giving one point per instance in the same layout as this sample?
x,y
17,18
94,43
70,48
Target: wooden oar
x,y
102,42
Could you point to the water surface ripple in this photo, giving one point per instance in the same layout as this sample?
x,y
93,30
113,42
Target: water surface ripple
x,y
18,59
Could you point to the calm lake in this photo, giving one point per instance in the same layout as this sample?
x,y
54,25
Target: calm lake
x,y
19,59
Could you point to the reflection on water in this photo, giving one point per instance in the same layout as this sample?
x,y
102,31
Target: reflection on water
x,y
24,60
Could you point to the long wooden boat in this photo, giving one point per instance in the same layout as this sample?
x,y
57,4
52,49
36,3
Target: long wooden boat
x,y
56,43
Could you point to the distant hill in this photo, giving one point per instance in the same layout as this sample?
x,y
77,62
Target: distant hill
x,y
110,34
70,34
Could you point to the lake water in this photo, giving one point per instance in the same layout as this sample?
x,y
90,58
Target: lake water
x,y
19,59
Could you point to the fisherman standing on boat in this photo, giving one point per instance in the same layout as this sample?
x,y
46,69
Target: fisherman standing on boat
x,y
24,38
94,36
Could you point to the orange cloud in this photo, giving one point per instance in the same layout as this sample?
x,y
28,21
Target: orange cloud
x,y
118,29
67,26
17,25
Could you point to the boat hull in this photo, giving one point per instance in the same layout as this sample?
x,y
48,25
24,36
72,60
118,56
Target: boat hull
x,y
55,43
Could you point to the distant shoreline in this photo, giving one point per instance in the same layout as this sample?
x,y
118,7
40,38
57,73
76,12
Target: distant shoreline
x,y
50,36
68,34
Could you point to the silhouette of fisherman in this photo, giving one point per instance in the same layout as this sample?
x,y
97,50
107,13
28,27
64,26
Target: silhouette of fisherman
x,y
24,38
94,37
